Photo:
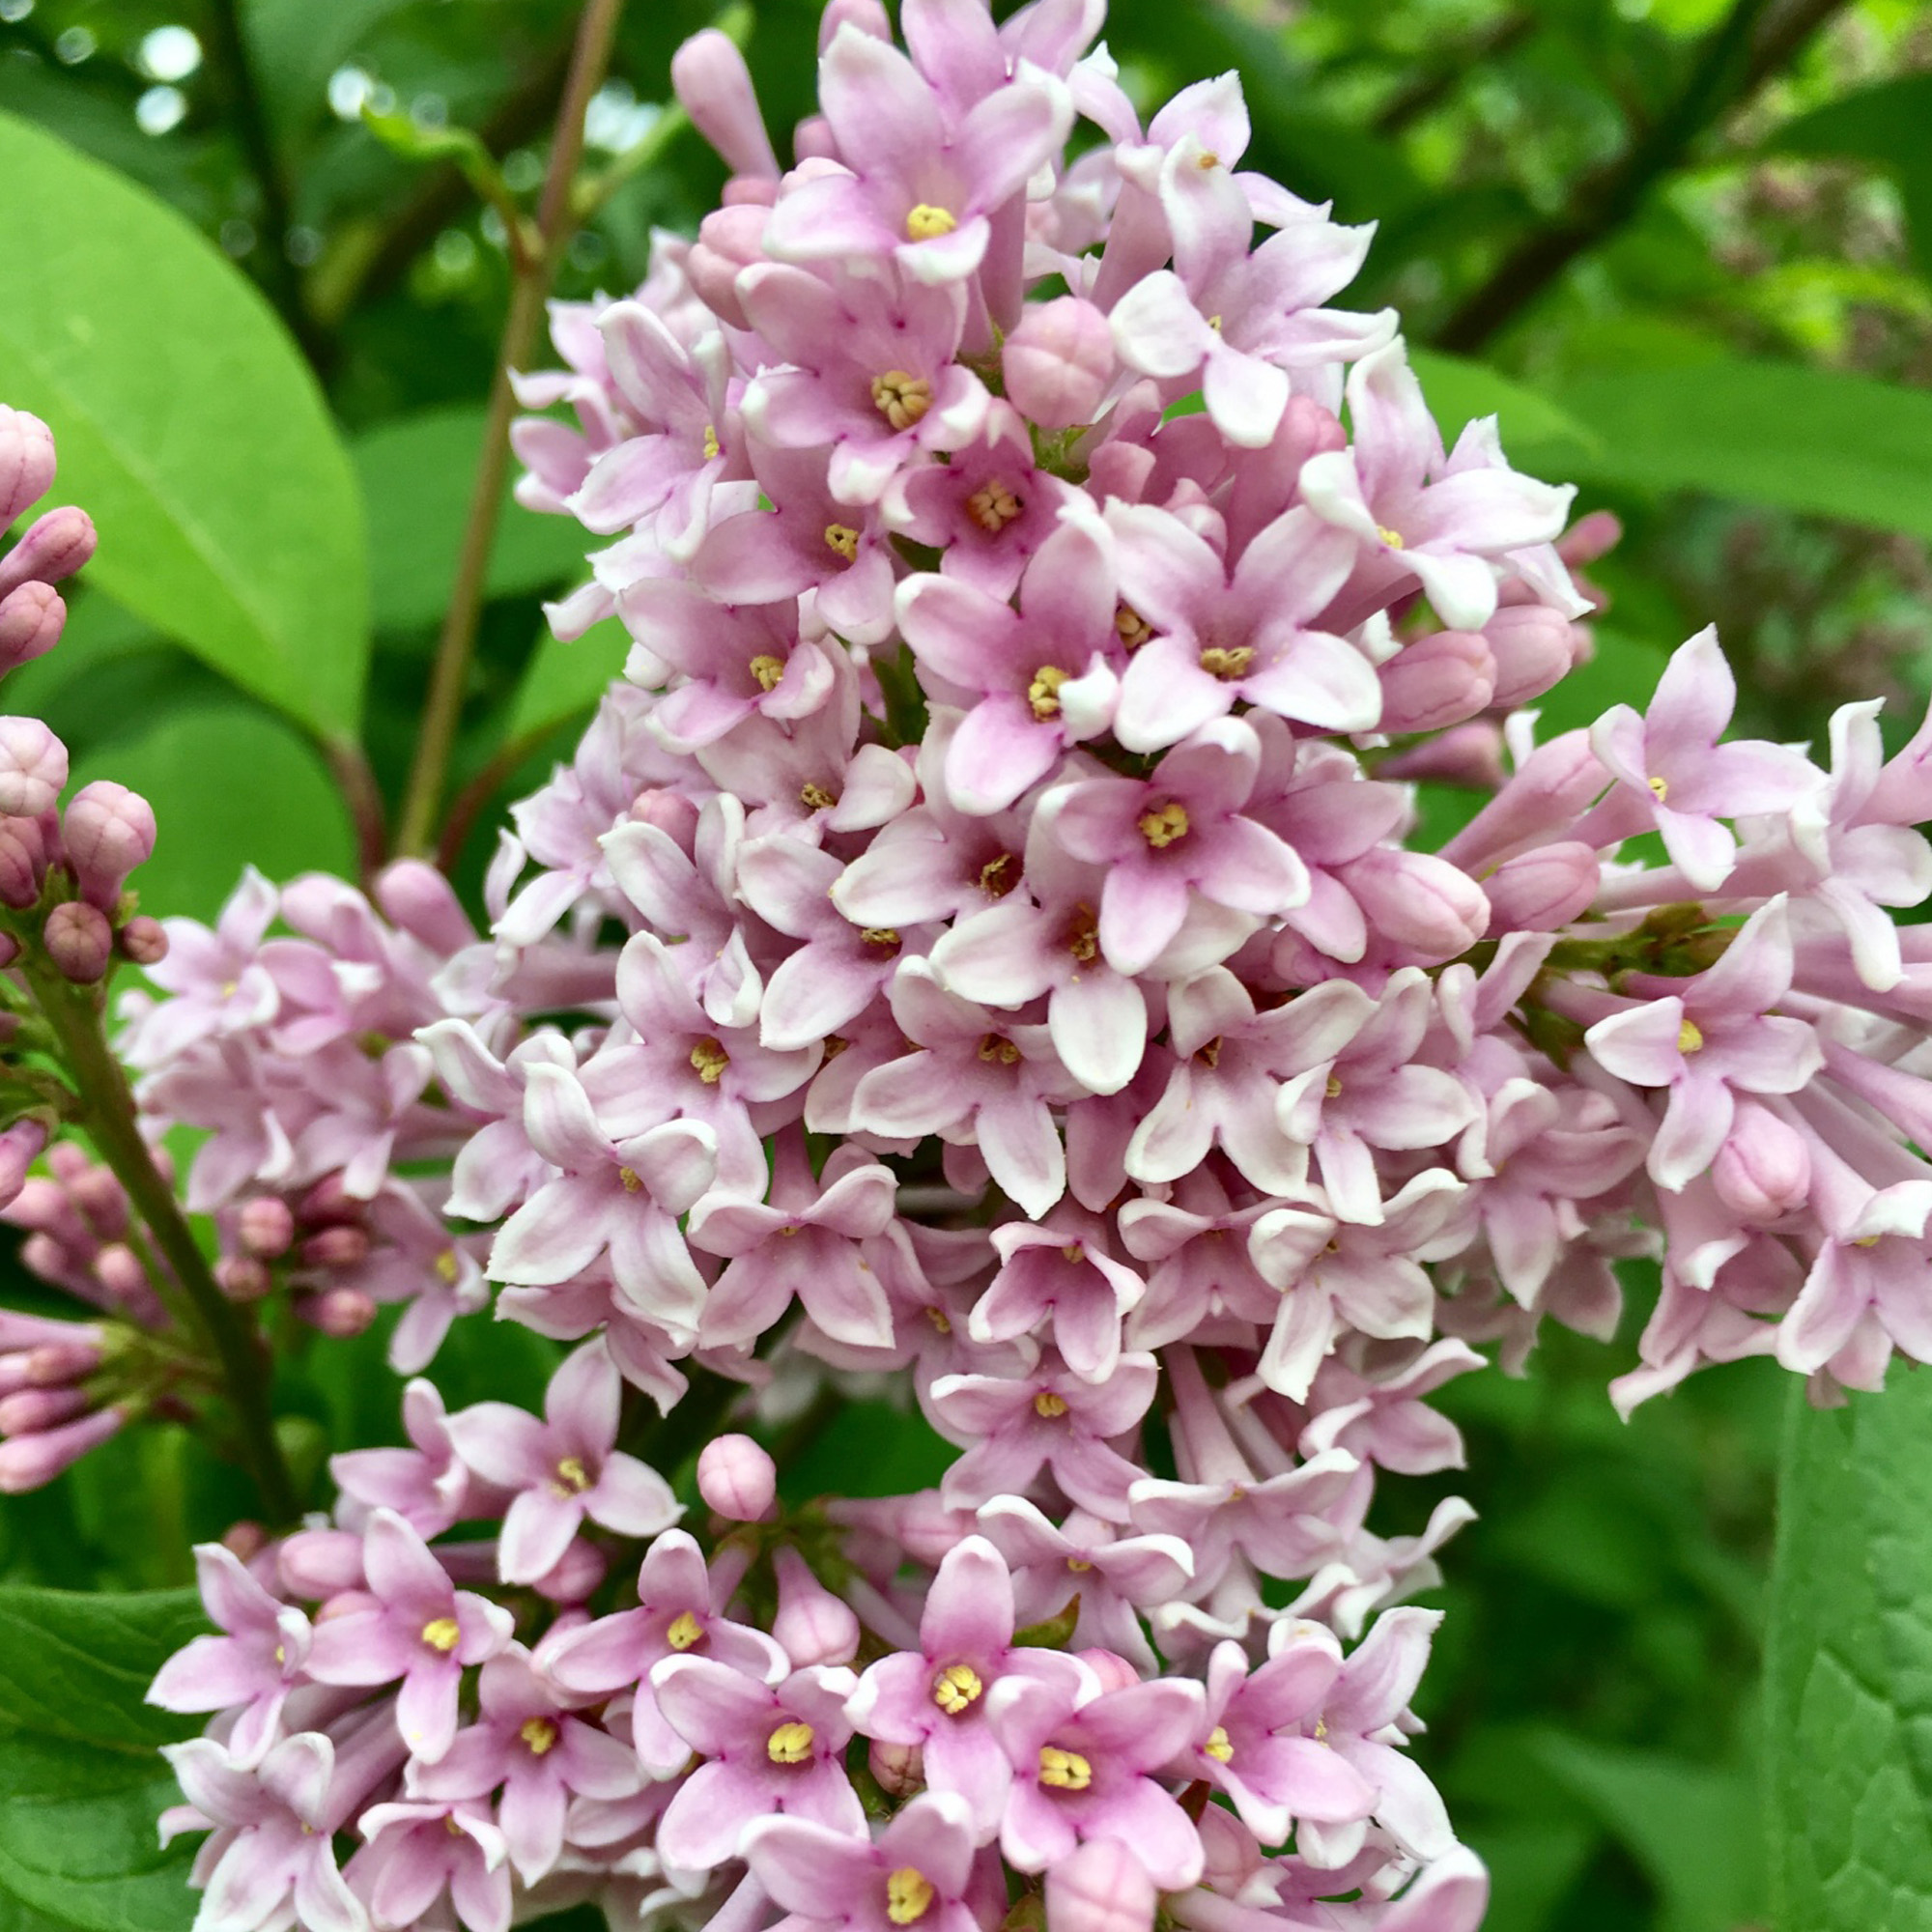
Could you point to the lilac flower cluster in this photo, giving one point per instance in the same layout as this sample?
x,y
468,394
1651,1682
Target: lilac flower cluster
x,y
980,956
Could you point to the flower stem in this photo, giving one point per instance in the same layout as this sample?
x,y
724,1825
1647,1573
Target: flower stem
x,y
556,221
74,1015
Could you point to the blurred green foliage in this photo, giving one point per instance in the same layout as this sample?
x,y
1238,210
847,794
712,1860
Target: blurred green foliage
x,y
1681,246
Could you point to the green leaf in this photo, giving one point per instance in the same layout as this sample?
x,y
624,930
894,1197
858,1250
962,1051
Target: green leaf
x,y
562,680
1797,439
81,1784
1888,124
416,477
1848,1670
189,428
227,785
1537,434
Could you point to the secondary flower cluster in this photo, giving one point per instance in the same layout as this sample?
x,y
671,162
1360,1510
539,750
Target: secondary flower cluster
x,y
981,950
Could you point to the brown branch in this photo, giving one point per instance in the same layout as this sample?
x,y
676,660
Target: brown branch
x,y
1737,58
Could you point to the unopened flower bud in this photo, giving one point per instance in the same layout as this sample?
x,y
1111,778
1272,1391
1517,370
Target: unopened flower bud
x,y
1099,1886
119,1269
899,1769
1590,537
338,1247
710,81
31,620
265,1226
868,17
78,940
20,1147
242,1277
144,940
1549,787
1467,754
671,811
420,899
728,240
329,1202
1059,361
812,1626
29,1411
50,1364
100,1198
1543,890
1112,1670
33,768
107,830
1763,1171
341,1312
1534,647
246,1540
738,1479
320,1563
55,546
32,1461
26,462
1439,680
1418,900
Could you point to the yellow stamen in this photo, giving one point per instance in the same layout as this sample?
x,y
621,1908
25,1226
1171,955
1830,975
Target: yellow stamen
x,y
926,223
768,670
1049,1406
956,1687
629,1178
1131,627
908,1894
993,507
1333,1090
442,1633
1083,934
790,1743
1079,1565
1690,1036
881,938
1217,1745
902,399
1064,1770
539,1733
1228,665
1214,323
1661,788
685,1632
710,1059
997,1047
1044,693
711,444
999,876
815,798
843,538
571,1477
937,1316
1209,159
1393,538
1866,1241
447,1267
1209,1055
1164,825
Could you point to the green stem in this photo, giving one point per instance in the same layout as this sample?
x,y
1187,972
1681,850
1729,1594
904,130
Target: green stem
x,y
557,222
74,1013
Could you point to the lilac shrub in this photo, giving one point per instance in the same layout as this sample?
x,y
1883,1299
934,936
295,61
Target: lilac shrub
x,y
980,956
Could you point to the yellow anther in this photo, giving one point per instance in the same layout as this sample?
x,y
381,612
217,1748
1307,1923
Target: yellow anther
x,y
843,538
1333,1090
1064,1770
908,1894
571,1477
629,1178
937,1316
815,798
1690,1036
1131,627
957,1689
1217,1745
790,1743
999,876
1079,1565
1083,934
710,1059
1393,538
1209,159
768,670
711,444
926,223
882,938
1044,693
685,1632
1209,1055
281,1655
453,1824
539,1733
447,1267
902,399
442,1633
1049,1406
1164,825
993,507
996,1046
1661,788
1074,1252
1228,665
1865,1241
1214,323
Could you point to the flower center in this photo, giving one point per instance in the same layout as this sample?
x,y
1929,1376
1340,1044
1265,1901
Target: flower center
x,y
1228,665
926,223
767,669
1064,1770
937,1316
710,1059
1661,788
1217,1745
711,444
902,399
790,1743
1044,693
539,1733
993,507
956,1687
908,1894
1164,825
1079,1565
1131,627
685,1632
1333,1090
1690,1036
843,538
571,1477
1209,1056
996,1046
447,1267
1393,538
881,938
999,876
1866,1241
442,1635
1083,934
632,1183
815,798
1049,1406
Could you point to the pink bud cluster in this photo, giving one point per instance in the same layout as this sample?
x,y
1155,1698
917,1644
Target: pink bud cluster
x,y
996,967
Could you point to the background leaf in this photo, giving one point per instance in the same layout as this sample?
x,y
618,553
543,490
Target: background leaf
x,y
563,679
1848,1666
190,427
1890,125
1538,436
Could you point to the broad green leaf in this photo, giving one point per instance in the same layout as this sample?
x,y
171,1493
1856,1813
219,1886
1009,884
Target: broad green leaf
x,y
228,785
1537,434
562,680
416,476
189,428
82,1782
1622,670
1848,1669
1771,433
1890,125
